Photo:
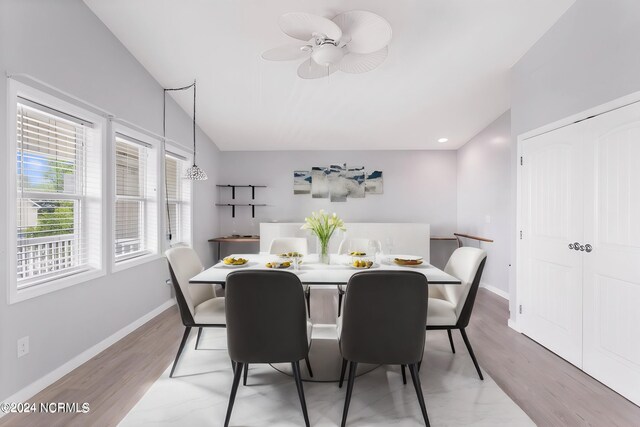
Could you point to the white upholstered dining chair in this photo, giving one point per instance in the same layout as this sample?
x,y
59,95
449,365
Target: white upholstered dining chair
x,y
282,245
350,245
450,306
199,307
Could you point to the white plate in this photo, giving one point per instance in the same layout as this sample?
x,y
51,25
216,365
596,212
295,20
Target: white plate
x,y
222,264
405,257
363,268
277,268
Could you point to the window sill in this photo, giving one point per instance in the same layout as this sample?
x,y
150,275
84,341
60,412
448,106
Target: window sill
x,y
134,262
18,295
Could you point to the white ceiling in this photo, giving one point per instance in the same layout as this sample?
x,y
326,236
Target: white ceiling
x,y
447,74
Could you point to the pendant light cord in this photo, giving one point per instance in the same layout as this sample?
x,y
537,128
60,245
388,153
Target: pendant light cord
x,y
194,122
164,135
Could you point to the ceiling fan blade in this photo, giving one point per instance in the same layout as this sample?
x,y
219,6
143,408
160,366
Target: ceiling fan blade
x,y
286,53
310,69
368,31
302,26
362,62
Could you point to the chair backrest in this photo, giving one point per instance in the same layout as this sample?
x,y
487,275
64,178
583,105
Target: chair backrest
x,y
289,244
184,263
357,244
266,317
383,317
466,264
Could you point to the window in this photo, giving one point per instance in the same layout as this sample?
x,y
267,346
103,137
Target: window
x,y
178,210
135,212
58,206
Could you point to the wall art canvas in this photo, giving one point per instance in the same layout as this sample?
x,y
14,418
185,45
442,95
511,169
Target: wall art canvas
x,y
319,182
301,182
337,182
373,182
355,182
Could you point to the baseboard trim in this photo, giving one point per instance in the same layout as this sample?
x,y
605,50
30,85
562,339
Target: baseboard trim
x,y
495,290
40,384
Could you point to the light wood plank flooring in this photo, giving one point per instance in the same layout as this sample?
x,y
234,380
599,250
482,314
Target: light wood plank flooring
x,y
551,391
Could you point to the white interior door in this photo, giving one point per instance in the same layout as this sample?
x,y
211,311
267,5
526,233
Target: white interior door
x,y
612,268
552,219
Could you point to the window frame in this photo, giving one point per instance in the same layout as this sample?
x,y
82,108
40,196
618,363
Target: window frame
x,y
17,90
154,160
173,149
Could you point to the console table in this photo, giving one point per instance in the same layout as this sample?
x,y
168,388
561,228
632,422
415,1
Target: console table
x,y
233,239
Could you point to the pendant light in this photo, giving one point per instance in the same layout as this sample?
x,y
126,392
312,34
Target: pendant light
x,y
194,173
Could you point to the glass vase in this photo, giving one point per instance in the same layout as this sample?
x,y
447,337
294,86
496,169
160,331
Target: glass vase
x,y
323,251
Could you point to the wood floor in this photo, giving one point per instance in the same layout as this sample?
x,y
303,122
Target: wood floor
x,y
551,391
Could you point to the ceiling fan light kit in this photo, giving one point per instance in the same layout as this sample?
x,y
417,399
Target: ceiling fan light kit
x,y
352,42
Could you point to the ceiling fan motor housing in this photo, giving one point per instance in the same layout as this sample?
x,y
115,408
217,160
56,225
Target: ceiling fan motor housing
x,y
327,54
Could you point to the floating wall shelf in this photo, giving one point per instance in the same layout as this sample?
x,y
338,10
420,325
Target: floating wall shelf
x,y
233,189
233,207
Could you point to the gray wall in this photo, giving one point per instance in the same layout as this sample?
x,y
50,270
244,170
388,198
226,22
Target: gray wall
x,y
483,198
589,57
63,44
419,186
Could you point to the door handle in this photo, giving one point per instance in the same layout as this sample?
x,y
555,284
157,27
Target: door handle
x,y
588,248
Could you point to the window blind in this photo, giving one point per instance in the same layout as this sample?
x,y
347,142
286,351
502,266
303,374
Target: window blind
x,y
52,184
131,205
178,199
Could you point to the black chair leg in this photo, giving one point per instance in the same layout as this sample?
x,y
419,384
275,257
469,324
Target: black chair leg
x,y
453,349
234,390
308,298
198,338
306,359
353,366
339,302
187,330
473,356
246,370
416,383
404,375
342,372
296,374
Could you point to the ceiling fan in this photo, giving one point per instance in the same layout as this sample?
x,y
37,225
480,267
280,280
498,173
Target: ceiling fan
x,y
353,42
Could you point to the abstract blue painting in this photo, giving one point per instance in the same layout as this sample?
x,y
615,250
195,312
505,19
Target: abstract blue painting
x,y
301,182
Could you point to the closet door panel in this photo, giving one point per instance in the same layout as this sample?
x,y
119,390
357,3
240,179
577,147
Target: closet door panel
x,y
551,212
612,268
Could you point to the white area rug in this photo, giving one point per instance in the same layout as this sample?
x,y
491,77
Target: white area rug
x,y
199,393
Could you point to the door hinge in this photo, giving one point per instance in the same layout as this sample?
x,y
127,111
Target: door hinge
x,y
521,161
520,234
520,309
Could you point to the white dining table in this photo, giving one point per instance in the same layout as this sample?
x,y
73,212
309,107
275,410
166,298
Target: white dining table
x,y
311,272
324,352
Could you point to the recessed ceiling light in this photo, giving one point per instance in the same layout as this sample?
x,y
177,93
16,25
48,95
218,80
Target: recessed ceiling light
x,y
443,139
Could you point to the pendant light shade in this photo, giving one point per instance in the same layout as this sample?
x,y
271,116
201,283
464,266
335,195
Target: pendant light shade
x,y
194,173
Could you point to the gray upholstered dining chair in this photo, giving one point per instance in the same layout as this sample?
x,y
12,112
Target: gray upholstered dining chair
x,y
450,306
266,323
282,245
199,307
383,323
